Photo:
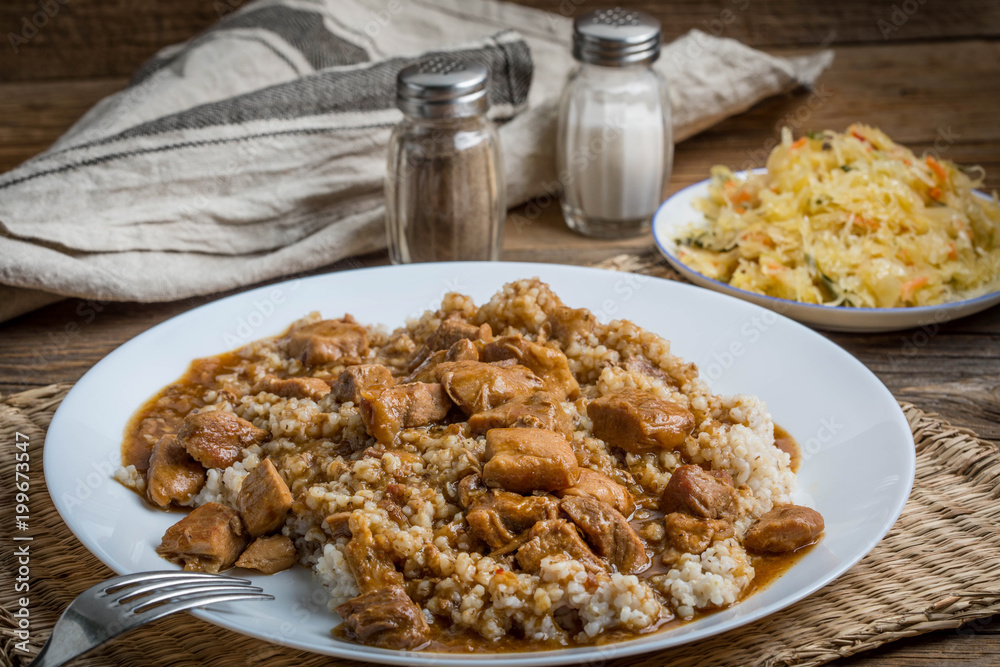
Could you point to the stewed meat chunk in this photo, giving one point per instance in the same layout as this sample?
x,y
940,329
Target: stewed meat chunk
x,y
216,439
638,363
785,528
472,490
496,517
461,350
359,378
173,476
692,534
637,421
269,554
209,539
371,566
339,524
608,532
557,537
594,485
695,491
299,387
570,324
547,363
475,386
540,410
529,459
386,618
403,406
264,499
487,525
343,341
453,329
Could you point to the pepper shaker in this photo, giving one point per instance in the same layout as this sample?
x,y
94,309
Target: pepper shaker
x,y
445,195
615,141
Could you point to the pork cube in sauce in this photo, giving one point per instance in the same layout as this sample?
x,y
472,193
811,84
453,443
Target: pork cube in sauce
x,y
595,485
540,410
403,406
637,421
216,439
547,363
461,350
343,341
638,363
354,380
556,538
695,491
371,566
264,499
608,532
783,529
568,325
529,459
386,618
269,554
339,524
475,386
173,476
496,517
209,539
299,387
455,328
691,534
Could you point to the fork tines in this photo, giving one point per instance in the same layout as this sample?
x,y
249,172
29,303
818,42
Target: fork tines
x,y
141,593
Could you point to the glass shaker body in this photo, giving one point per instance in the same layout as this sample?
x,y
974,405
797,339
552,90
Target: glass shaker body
x,y
445,196
615,148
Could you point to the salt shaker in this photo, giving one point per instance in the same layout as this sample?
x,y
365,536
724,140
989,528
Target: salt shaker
x,y
445,185
615,142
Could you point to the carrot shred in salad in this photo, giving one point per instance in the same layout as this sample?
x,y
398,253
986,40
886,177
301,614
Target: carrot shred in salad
x,y
849,219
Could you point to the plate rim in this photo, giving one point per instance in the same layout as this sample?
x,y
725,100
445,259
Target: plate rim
x,y
740,293
550,657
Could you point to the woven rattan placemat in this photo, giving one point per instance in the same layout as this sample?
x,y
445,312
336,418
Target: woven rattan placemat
x,y
936,569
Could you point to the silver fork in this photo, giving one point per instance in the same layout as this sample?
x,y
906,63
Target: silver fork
x,y
117,605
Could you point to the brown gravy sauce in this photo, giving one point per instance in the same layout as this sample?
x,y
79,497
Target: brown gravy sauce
x,y
162,414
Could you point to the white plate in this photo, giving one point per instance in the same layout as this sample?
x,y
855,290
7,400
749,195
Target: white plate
x,y
858,451
677,212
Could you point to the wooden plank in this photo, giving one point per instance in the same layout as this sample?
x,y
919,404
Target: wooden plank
x,y
33,115
66,39
770,23
101,38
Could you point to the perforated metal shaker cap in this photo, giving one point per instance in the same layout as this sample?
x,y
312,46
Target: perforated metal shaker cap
x,y
616,37
442,88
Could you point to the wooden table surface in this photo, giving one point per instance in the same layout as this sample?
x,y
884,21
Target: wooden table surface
x,y
923,71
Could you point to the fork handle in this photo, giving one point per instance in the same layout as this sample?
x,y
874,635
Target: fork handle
x,y
45,659
72,636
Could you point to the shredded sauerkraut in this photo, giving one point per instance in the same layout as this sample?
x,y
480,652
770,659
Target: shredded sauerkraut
x,y
850,219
